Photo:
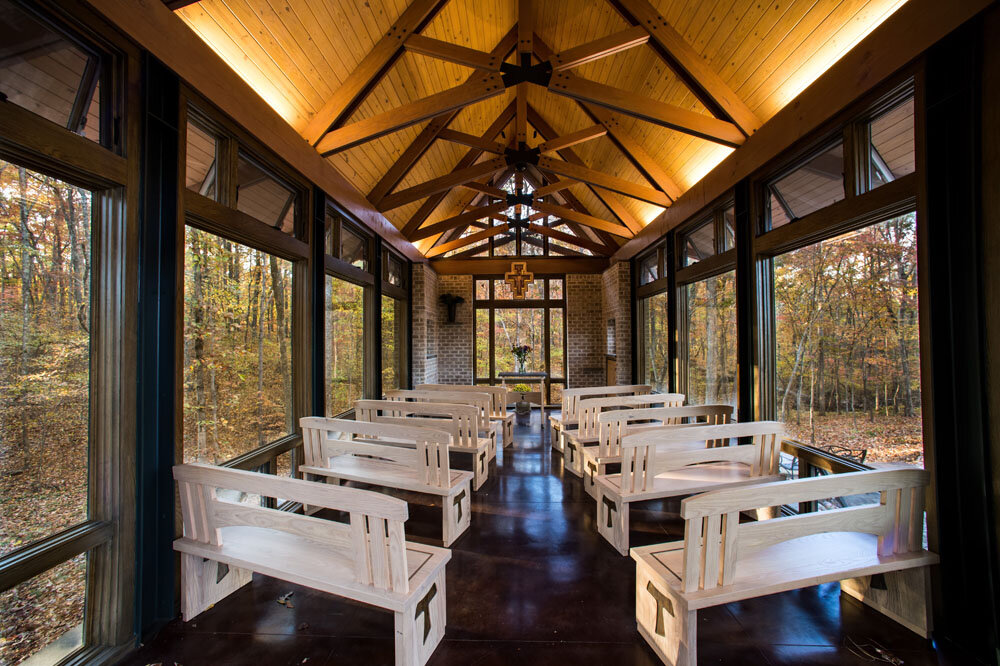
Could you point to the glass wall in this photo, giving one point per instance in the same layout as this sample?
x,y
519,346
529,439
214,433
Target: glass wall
x,y
345,344
237,348
710,335
654,317
847,342
393,343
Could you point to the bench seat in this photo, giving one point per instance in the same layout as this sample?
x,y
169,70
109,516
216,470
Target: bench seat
x,y
686,481
303,561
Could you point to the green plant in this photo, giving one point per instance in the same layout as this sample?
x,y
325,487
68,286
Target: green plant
x,y
521,388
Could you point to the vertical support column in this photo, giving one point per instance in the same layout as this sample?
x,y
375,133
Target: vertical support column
x,y
376,351
160,230
746,304
317,304
669,268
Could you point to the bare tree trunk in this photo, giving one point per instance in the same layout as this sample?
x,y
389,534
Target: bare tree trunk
x,y
260,354
711,342
26,262
199,347
278,289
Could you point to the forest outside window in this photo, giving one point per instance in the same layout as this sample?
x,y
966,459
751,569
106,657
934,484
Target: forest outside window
x,y
654,318
45,343
847,343
709,321
237,348
393,343
345,344
48,74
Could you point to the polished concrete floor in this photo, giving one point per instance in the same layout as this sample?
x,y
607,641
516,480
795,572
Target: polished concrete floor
x,y
530,582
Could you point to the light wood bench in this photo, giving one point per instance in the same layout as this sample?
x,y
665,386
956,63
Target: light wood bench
x,y
366,560
459,421
587,426
480,400
498,403
875,550
571,397
416,461
605,452
676,461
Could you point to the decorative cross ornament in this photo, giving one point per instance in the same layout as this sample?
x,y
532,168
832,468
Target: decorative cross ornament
x,y
519,278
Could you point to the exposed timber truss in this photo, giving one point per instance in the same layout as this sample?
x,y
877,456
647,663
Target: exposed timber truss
x,y
519,60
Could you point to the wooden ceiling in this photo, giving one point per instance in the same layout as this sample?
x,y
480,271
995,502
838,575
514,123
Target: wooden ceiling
x,y
409,99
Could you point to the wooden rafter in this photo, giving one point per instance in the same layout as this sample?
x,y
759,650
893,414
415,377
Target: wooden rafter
x,y
525,27
567,198
601,179
486,189
371,69
596,248
581,218
457,221
604,196
466,160
442,183
599,48
482,87
691,67
472,141
572,139
461,55
466,240
397,172
498,181
646,108
632,149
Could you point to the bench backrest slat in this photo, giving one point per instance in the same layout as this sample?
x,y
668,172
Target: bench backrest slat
x,y
713,533
372,516
588,410
498,394
324,439
649,453
572,397
480,400
614,425
463,422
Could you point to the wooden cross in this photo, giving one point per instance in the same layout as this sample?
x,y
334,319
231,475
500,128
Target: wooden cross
x,y
519,278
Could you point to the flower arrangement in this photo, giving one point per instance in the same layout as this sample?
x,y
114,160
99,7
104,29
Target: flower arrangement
x,y
520,353
521,388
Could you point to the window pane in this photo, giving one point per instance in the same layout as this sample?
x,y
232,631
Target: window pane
x,y
519,326
237,348
649,268
482,343
711,341
504,245
393,343
353,248
330,233
501,290
892,145
699,244
557,356
482,290
43,616
729,224
45,275
555,289
43,72
656,355
345,345
814,185
394,270
262,197
848,348
202,151
532,244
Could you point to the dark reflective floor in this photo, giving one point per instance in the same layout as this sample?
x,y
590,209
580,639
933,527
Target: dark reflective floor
x,y
531,582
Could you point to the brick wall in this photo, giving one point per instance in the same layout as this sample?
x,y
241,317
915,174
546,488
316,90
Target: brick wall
x,y
617,308
454,341
585,331
425,325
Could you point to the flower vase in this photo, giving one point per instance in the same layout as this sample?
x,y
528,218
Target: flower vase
x,y
520,365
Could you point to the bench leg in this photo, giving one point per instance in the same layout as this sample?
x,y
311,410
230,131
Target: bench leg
x,y
902,595
664,620
420,627
590,472
508,432
456,514
480,469
206,582
554,439
612,519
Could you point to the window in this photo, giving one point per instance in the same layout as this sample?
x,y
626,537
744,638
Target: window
x,y
262,197
393,343
710,340
892,150
847,342
649,268
654,319
202,155
345,344
816,184
46,73
700,243
353,247
394,268
45,324
237,348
